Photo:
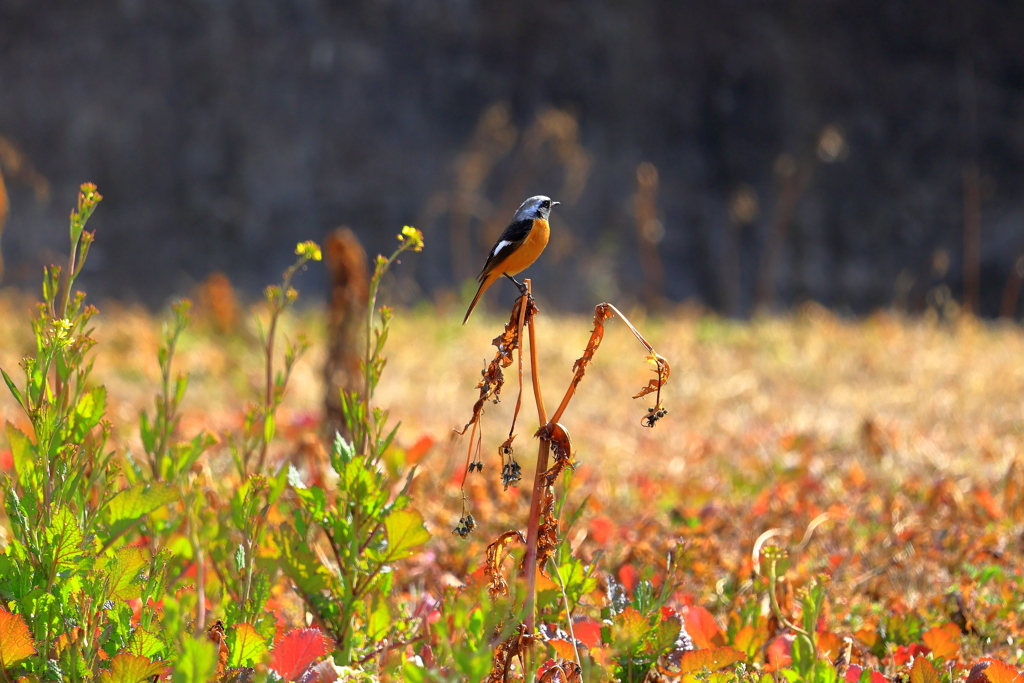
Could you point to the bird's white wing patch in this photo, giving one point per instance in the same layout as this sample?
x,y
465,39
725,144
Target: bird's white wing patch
x,y
499,247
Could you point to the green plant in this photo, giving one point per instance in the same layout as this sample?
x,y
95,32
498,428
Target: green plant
x,y
170,461
260,424
361,527
60,574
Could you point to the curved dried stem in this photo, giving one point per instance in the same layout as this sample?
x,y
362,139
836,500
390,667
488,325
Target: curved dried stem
x,y
601,313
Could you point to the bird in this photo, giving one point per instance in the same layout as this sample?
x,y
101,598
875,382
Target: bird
x,y
518,247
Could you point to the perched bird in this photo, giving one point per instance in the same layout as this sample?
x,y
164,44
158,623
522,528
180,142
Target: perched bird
x,y
518,247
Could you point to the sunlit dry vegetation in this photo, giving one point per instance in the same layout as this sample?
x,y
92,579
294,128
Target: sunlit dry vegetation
x,y
824,497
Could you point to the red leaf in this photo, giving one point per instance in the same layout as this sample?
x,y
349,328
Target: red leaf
x,y
628,577
855,671
588,632
703,628
905,653
15,640
780,652
601,530
297,650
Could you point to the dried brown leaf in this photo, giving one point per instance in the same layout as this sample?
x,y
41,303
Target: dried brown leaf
x,y
496,584
547,531
561,448
506,650
506,342
562,671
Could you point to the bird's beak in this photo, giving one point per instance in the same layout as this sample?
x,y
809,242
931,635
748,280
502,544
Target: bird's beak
x,y
554,203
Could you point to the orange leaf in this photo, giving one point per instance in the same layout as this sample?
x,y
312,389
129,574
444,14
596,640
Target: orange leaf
x,y
748,639
993,671
923,672
563,648
702,628
868,636
829,644
944,640
15,640
709,660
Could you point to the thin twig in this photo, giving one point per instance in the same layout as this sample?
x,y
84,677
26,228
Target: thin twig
x,y
568,611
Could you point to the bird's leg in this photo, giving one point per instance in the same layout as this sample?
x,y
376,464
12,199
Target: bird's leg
x,y
520,285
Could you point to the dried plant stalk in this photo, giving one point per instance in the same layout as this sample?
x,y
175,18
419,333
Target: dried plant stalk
x,y
542,527
601,313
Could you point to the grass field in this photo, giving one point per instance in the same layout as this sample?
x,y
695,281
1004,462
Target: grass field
x,y
885,453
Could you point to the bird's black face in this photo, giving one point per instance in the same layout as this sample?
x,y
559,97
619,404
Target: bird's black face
x,y
534,207
544,208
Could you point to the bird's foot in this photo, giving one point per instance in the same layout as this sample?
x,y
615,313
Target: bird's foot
x,y
520,285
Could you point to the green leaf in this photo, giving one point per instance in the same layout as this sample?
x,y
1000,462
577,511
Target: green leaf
x,y
146,432
405,532
123,573
138,500
269,427
180,386
144,643
21,451
294,478
240,557
64,539
129,668
804,655
90,409
197,662
246,645
629,630
13,388
343,450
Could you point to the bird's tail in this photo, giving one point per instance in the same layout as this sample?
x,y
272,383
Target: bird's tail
x,y
484,284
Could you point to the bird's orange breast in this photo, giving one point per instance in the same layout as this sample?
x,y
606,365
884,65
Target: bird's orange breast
x,y
529,250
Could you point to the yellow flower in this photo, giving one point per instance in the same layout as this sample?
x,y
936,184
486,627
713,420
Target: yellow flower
x,y
309,249
414,236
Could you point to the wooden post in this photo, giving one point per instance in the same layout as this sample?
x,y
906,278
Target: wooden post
x,y
347,268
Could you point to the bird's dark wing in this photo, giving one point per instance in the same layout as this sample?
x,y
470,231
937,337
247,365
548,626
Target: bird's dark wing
x,y
510,240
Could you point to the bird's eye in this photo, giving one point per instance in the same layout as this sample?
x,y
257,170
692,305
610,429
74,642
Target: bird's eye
x,y
546,204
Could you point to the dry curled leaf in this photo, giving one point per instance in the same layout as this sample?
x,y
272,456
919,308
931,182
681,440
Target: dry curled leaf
x,y
547,531
505,651
663,370
561,447
562,671
507,342
496,584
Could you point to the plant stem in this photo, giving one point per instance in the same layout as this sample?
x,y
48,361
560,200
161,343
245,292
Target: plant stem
x,y
539,485
268,399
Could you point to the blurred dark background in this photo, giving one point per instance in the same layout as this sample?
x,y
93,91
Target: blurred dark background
x,y
858,153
